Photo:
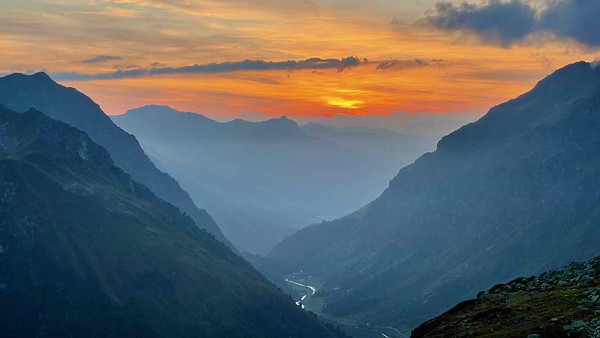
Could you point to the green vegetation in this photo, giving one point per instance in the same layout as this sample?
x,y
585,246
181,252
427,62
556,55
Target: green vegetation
x,y
562,303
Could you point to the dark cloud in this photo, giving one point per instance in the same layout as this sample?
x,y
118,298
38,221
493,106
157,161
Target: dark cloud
x,y
401,64
504,22
101,58
313,63
225,67
576,19
507,22
394,64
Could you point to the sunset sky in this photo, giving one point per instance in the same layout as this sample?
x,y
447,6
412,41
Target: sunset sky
x,y
297,57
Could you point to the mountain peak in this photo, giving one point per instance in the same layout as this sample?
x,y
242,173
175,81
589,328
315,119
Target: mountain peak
x,y
63,196
42,76
541,105
283,127
162,110
39,77
495,191
578,73
282,121
19,92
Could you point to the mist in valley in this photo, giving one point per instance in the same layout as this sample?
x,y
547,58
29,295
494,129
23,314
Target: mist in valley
x,y
262,181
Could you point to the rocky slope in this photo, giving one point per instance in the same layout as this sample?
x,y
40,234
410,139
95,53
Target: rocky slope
x,y
87,251
20,92
560,303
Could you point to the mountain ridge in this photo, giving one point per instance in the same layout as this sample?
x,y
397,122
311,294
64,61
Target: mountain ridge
x,y
86,250
451,223
200,126
20,92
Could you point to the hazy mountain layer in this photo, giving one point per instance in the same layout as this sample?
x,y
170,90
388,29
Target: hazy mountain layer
x,y
87,251
515,193
20,92
263,180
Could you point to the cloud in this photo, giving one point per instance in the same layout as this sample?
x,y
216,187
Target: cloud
x,y
401,64
101,58
224,67
505,22
508,22
576,19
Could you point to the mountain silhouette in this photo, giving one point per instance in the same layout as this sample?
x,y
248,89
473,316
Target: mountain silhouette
x,y
20,92
515,193
87,251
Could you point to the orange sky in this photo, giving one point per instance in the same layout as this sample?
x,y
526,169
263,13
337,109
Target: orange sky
x,y
456,73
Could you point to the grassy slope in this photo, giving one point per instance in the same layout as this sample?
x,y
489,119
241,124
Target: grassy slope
x,y
548,305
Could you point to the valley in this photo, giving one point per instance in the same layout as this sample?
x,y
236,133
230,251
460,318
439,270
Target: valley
x,y
447,225
263,181
452,223
314,301
300,169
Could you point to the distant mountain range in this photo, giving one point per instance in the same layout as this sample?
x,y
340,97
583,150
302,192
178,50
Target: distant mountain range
x,y
87,251
20,92
515,193
429,125
264,180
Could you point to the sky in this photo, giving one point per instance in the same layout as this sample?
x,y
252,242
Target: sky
x,y
300,58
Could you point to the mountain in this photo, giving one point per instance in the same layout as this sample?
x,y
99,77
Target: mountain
x,y
380,143
162,122
264,180
429,125
558,303
515,193
351,133
20,92
87,251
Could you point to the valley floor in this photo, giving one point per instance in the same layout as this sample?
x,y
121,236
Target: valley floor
x,y
306,288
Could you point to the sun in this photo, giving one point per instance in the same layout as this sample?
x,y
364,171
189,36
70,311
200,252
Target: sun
x,y
343,103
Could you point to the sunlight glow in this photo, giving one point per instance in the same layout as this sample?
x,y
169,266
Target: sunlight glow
x,y
343,103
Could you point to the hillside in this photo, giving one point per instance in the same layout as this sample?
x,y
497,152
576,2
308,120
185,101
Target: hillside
x,y
515,193
264,180
560,303
87,251
20,92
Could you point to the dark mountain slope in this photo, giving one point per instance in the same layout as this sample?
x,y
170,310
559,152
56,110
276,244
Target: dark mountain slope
x,y
559,303
87,251
515,193
20,92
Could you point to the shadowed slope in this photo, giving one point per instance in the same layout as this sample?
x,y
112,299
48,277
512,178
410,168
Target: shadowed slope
x,y
20,92
87,251
515,193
